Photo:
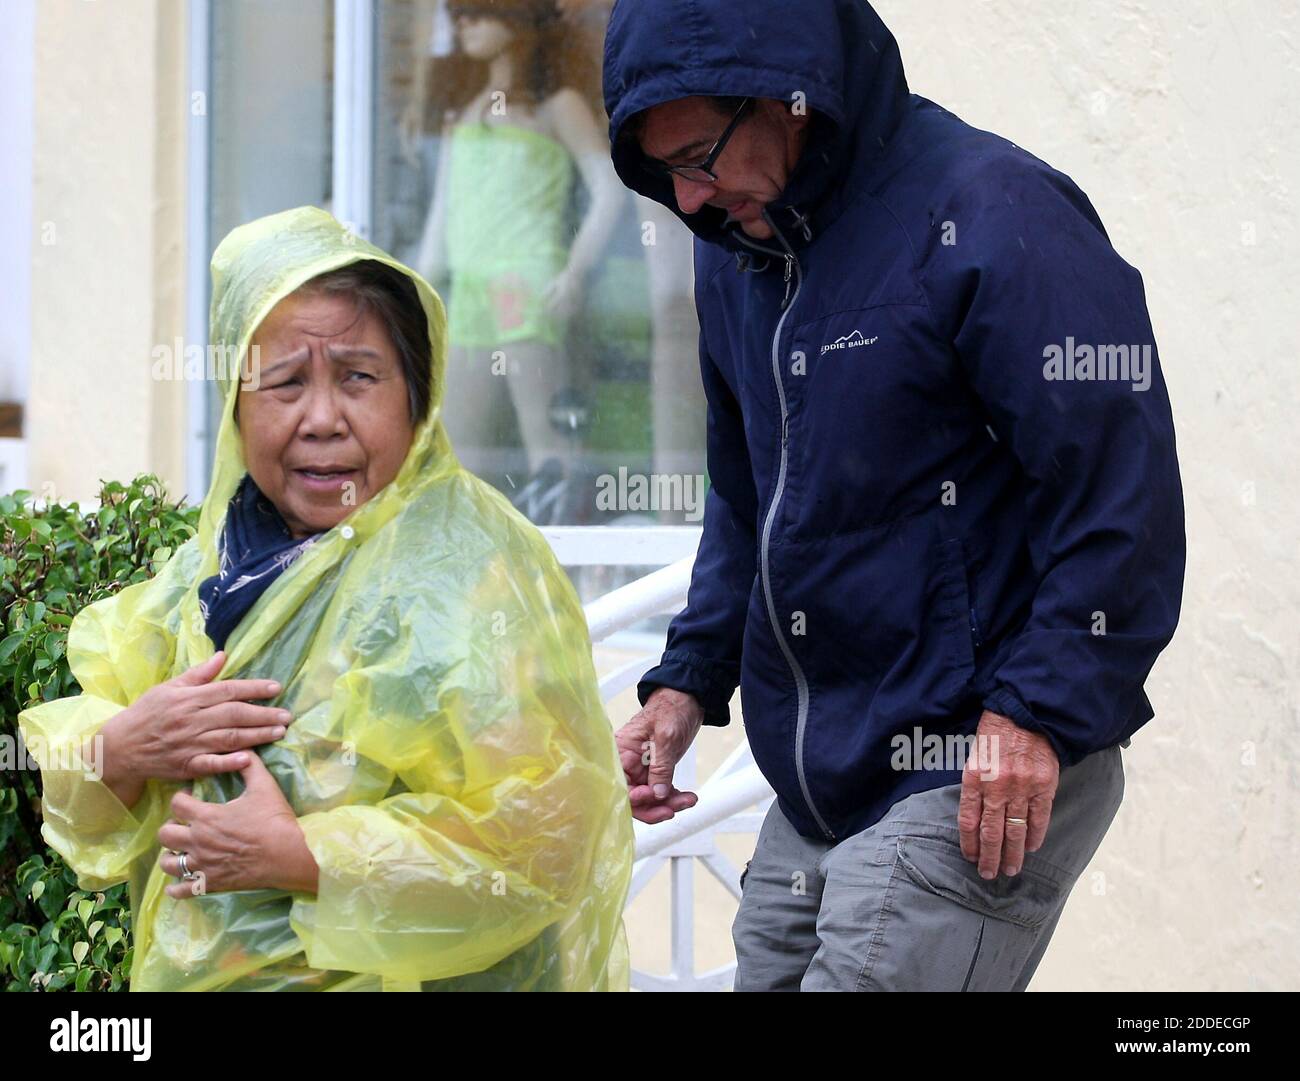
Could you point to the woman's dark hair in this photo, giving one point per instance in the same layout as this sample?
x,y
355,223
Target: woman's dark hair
x,y
391,296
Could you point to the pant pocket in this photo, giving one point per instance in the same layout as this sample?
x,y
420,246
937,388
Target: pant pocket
x,y
950,930
936,864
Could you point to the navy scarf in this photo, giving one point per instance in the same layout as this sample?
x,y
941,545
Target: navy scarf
x,y
254,549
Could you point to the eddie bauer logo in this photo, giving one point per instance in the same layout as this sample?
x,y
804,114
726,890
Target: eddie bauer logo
x,y
852,341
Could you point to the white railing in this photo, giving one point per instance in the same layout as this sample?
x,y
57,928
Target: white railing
x,y
733,800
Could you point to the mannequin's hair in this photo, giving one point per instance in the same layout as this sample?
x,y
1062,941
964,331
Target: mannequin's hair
x,y
546,56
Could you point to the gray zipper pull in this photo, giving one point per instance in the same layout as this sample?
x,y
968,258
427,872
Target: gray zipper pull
x,y
789,273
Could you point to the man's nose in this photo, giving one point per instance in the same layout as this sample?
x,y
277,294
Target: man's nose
x,y
691,194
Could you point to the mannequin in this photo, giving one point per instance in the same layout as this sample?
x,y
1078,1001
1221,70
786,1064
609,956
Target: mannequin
x,y
497,228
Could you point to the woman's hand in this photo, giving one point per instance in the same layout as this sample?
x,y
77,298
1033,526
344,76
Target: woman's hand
x,y
253,842
188,727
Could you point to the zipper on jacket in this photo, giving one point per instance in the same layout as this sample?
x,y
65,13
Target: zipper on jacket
x,y
792,269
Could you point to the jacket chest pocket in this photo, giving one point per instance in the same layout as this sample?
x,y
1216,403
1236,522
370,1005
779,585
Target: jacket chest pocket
x,y
878,416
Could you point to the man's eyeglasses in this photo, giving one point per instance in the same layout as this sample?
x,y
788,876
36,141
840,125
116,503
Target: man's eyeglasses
x,y
702,172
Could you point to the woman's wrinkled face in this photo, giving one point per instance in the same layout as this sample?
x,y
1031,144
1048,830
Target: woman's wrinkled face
x,y
329,422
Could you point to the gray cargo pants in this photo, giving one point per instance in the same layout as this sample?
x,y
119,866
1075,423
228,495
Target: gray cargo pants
x,y
897,907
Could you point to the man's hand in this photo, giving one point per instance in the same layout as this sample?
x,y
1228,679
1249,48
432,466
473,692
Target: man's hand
x,y
650,746
1007,790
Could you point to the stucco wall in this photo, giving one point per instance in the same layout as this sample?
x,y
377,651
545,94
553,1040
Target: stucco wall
x,y
108,246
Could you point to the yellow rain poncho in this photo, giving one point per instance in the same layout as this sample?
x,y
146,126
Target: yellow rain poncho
x,y
450,762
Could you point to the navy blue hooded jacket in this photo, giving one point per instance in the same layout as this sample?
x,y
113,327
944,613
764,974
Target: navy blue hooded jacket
x,y
923,502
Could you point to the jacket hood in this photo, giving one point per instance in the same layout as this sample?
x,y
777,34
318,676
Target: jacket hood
x,y
837,54
255,267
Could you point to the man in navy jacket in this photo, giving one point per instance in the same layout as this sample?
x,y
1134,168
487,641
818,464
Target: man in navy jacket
x,y
945,508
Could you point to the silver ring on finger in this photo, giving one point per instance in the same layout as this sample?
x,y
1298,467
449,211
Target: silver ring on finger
x,y
186,873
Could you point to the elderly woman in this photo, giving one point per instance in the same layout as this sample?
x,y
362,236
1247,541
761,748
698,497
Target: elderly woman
x,y
399,773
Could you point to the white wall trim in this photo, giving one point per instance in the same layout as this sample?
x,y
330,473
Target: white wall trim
x,y
197,243
354,107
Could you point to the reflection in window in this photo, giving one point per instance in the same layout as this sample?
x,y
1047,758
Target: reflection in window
x,y
573,370
572,328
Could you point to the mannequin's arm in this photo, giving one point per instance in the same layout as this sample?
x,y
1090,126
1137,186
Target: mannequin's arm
x,y
576,128
432,260
411,122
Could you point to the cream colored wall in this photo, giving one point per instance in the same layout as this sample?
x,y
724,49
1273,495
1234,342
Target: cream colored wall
x,y
107,250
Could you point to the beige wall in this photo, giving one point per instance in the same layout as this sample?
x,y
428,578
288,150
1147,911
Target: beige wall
x,y
107,247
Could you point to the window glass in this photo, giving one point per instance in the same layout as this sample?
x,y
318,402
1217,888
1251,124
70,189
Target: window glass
x,y
573,381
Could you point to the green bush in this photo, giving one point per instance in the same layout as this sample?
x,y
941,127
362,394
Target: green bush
x,y
56,560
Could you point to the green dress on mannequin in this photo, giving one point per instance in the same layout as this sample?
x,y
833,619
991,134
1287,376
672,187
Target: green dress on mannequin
x,y
509,193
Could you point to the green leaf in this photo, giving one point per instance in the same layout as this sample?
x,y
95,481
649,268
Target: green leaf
x,y
84,909
46,957
10,645
38,889
79,951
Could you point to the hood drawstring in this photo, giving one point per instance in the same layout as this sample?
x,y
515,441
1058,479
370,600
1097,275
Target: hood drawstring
x,y
801,223
747,262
